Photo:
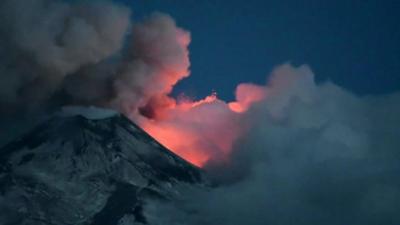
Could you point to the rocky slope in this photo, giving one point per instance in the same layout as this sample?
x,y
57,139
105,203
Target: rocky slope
x,y
88,168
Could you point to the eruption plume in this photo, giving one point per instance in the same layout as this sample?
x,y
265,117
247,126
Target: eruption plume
x,y
203,131
315,152
74,55
311,154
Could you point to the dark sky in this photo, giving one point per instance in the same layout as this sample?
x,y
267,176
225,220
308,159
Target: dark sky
x,y
354,43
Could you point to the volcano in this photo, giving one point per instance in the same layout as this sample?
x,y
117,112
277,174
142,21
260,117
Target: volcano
x,y
88,166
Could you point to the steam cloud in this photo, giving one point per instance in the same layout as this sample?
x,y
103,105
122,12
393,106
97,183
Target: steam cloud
x,y
287,152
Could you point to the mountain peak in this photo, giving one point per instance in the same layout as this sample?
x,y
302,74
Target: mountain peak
x,y
72,167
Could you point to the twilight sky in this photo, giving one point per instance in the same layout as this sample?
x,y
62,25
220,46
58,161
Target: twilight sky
x,y
353,43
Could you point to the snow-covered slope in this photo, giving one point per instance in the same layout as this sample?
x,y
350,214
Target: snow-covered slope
x,y
77,169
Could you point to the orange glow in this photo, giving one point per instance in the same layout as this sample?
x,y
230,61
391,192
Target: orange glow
x,y
198,131
177,141
204,130
192,129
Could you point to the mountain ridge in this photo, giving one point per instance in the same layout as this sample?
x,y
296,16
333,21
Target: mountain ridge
x,y
90,171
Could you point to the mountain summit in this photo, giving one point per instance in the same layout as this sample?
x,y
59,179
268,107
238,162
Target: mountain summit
x,y
88,166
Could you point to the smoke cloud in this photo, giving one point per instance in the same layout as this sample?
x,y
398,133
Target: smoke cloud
x,y
56,53
45,41
313,154
156,60
198,131
90,53
287,152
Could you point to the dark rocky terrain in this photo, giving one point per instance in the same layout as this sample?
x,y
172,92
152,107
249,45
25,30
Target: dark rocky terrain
x,y
74,169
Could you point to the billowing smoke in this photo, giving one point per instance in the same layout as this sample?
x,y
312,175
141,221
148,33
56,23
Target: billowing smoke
x,y
90,53
43,42
204,131
55,53
287,152
312,154
156,60
198,131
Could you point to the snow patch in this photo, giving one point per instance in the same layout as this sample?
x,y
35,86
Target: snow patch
x,y
91,112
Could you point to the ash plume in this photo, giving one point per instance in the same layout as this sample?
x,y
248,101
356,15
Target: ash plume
x,y
55,53
43,42
290,151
